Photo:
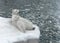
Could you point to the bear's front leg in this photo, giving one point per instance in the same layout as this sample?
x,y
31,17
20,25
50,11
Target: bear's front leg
x,y
21,29
21,26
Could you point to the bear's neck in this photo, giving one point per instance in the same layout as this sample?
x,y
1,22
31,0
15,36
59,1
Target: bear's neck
x,y
15,17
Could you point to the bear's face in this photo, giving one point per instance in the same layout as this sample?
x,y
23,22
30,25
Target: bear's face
x,y
15,11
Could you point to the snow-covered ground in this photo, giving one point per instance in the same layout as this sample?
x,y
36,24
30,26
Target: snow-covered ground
x,y
9,33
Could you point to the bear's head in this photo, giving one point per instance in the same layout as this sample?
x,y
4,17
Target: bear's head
x,y
15,11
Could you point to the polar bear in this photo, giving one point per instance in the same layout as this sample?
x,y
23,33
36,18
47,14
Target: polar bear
x,y
21,23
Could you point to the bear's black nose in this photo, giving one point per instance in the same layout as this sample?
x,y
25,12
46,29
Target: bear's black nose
x,y
33,28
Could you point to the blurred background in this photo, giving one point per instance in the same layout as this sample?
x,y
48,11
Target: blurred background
x,y
44,13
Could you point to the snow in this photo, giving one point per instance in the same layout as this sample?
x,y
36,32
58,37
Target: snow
x,y
10,34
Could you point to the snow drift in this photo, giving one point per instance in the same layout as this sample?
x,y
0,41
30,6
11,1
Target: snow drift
x,y
10,34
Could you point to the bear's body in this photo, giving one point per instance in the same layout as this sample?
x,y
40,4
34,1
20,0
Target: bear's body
x,y
21,23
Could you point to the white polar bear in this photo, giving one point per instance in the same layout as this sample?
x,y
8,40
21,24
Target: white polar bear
x,y
21,23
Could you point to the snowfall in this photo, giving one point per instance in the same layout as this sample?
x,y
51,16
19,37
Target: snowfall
x,y
10,34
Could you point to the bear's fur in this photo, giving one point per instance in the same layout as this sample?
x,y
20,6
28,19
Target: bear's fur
x,y
21,23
